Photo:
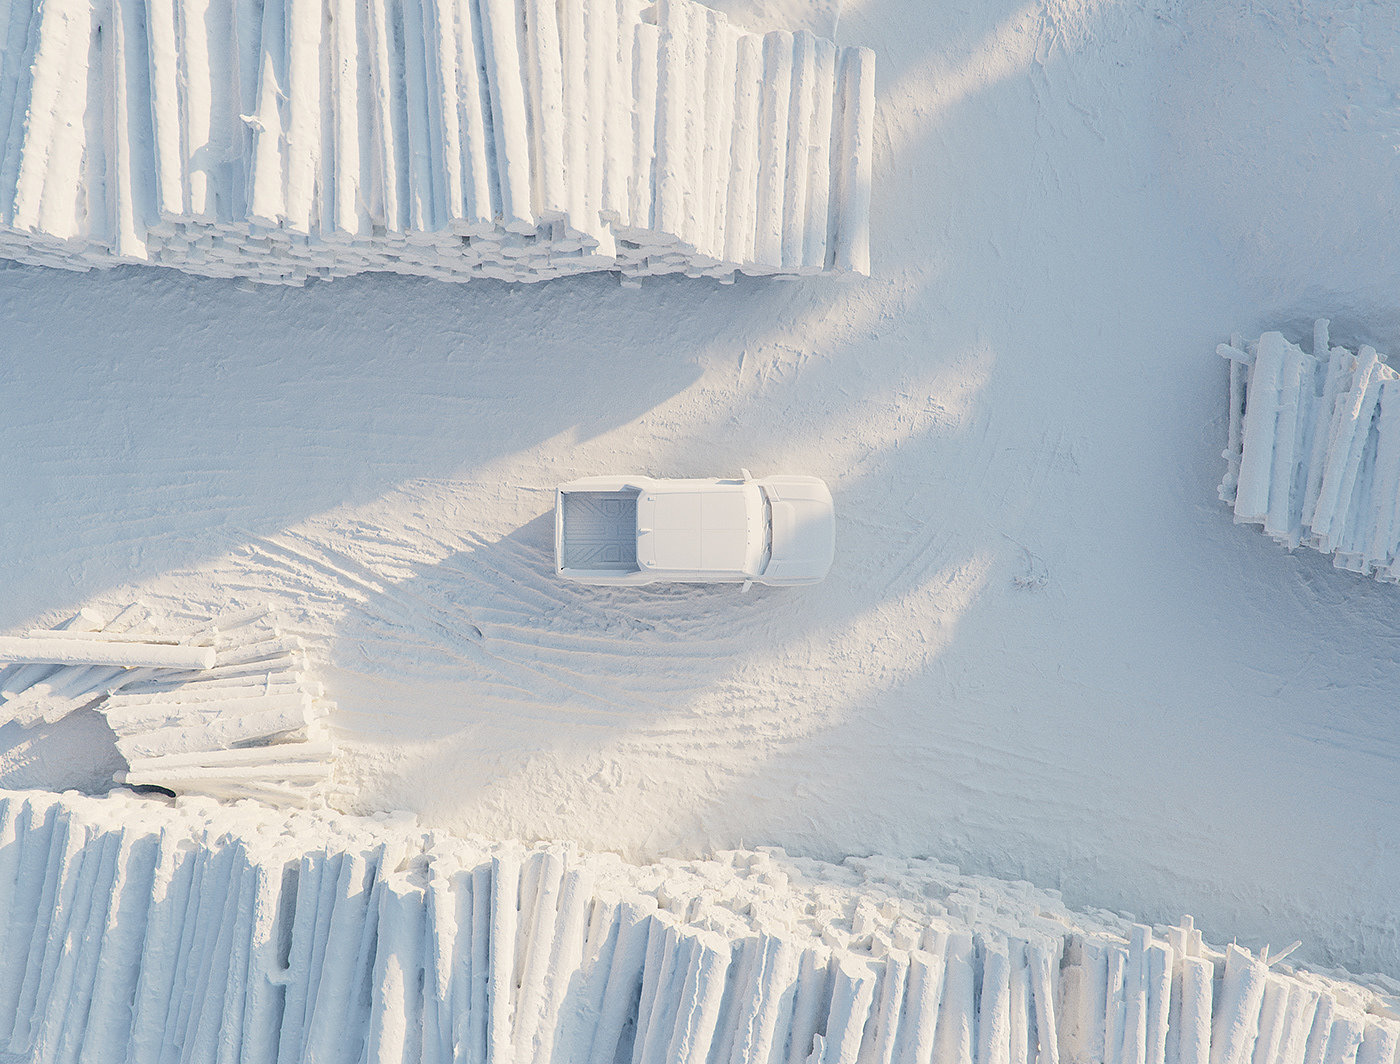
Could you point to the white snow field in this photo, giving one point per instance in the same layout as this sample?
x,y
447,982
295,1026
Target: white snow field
x,y
142,933
453,139
1044,652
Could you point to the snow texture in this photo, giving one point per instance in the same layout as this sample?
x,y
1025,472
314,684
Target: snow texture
x,y
138,931
247,721
1313,452
1044,651
513,139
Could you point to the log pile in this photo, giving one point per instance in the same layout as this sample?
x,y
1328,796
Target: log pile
x,y
1314,449
281,140
223,707
146,932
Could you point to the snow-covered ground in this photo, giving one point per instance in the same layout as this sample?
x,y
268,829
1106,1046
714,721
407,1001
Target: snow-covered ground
x,y
1044,652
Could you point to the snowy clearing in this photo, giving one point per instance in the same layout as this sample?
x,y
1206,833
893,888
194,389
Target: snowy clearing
x,y
1044,650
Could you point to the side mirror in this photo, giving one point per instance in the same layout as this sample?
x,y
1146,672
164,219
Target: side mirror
x,y
747,584
747,475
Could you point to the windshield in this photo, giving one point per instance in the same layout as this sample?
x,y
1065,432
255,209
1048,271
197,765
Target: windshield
x,y
767,555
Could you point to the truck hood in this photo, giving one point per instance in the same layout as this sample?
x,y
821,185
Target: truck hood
x,y
804,529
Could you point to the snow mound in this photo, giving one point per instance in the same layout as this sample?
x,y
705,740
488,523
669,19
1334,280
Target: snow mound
x,y
511,139
140,930
247,721
1314,449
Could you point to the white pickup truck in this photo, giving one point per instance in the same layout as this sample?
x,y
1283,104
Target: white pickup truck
x,y
640,530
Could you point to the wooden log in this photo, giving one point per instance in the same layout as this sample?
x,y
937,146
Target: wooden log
x,y
954,1043
1293,405
668,206
851,207
165,919
76,146
1339,474
544,99
1134,1034
397,982
1085,1002
505,888
1378,1044
1024,1042
1042,968
476,1047
58,28
1344,1040
501,58
994,1006
879,1044
119,970
852,994
721,69
1194,1043
813,992
1161,960
74,651
480,182
41,832
1260,425
1298,1020
422,157
215,735
700,995
1338,360
774,110
1381,548
656,1020
624,981
926,967
55,911
801,116
646,81
576,24
349,148
566,957
538,949
818,209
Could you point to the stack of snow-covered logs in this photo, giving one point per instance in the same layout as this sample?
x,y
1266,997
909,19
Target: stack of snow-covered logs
x,y
1314,449
280,140
222,707
146,933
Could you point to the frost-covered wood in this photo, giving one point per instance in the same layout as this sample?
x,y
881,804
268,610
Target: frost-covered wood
x,y
222,707
1313,452
159,930
509,139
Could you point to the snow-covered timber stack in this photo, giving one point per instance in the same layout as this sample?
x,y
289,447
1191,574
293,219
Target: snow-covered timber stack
x,y
146,931
223,707
512,139
1314,449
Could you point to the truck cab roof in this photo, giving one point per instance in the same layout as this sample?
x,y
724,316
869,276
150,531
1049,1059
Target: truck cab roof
x,y
700,526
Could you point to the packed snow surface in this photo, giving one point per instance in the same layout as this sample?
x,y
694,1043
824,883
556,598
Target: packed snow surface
x,y
1044,650
137,932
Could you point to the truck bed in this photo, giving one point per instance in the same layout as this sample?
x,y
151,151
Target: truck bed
x,y
600,530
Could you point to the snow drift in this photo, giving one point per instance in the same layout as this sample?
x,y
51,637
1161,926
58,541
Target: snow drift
x,y
1314,449
223,707
141,931
514,139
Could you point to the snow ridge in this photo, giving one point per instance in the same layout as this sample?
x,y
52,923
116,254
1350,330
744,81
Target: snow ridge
x,y
144,931
512,139
1314,449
